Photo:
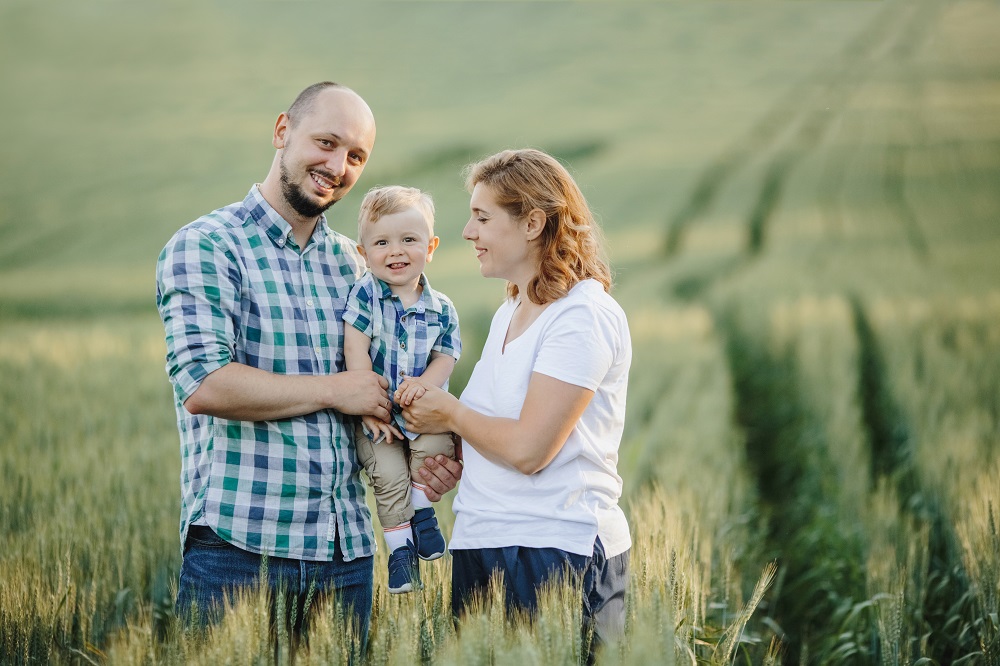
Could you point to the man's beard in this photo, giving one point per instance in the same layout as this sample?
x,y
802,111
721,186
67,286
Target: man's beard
x,y
298,199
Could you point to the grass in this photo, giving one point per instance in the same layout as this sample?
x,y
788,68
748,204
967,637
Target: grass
x,y
801,205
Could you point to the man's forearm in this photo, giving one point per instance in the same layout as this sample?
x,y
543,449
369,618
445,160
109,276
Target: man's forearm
x,y
243,393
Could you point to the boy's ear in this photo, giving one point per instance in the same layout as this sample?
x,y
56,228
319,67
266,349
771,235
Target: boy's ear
x,y
535,223
431,246
361,249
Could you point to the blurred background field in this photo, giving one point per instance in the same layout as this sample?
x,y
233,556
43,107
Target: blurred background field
x,y
802,203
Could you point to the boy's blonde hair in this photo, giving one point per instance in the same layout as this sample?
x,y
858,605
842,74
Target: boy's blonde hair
x,y
387,200
572,246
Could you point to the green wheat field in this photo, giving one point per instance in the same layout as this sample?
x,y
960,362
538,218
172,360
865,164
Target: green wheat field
x,y
802,203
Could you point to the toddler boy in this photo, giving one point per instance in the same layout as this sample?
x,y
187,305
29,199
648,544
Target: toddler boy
x,y
398,326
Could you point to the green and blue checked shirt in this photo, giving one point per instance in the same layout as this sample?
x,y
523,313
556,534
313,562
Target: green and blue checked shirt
x,y
403,338
233,286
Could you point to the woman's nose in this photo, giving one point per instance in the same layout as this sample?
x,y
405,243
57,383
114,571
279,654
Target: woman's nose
x,y
467,231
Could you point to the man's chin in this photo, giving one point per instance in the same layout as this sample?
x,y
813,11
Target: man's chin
x,y
307,206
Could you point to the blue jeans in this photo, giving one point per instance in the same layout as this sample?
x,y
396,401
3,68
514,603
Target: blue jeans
x,y
213,568
525,570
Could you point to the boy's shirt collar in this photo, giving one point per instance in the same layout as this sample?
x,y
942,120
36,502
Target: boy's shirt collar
x,y
428,297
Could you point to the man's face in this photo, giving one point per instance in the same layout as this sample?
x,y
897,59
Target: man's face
x,y
324,152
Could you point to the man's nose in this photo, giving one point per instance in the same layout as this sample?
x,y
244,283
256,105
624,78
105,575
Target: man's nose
x,y
467,231
337,163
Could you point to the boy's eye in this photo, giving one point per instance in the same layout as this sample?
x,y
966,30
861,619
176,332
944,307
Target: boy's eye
x,y
380,242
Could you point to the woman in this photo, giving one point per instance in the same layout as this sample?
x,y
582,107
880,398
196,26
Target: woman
x,y
542,415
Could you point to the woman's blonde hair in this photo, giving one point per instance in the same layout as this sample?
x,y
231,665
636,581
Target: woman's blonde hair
x,y
572,246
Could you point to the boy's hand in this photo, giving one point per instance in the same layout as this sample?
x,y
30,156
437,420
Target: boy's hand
x,y
380,430
411,389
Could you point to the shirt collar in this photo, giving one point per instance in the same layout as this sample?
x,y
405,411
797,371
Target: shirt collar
x,y
428,296
275,226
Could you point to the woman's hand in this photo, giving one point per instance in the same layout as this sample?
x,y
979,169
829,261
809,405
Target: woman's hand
x,y
432,412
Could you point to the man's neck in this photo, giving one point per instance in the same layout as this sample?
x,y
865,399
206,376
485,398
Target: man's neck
x,y
302,227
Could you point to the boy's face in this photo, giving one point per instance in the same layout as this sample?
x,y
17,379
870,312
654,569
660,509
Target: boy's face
x,y
398,246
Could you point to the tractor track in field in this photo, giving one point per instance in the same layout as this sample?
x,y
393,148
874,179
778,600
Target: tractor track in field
x,y
792,130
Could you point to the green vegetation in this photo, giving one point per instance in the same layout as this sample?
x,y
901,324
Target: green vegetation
x,y
801,204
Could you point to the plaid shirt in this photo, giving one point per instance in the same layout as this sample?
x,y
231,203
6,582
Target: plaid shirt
x,y
403,339
233,286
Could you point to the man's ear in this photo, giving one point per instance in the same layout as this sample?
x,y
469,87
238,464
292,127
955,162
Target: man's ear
x,y
280,132
535,224
431,246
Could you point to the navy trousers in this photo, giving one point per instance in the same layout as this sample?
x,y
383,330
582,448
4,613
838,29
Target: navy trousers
x,y
525,570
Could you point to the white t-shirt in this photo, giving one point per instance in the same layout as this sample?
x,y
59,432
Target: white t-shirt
x,y
581,339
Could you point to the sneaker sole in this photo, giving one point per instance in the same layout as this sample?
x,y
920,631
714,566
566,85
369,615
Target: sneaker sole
x,y
403,589
432,556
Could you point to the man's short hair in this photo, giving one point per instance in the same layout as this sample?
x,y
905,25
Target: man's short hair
x,y
303,104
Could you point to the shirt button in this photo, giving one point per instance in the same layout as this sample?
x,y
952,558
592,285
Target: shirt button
x,y
402,345
316,349
403,318
309,302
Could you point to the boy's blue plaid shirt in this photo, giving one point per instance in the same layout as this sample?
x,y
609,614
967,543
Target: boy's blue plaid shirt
x,y
403,338
233,286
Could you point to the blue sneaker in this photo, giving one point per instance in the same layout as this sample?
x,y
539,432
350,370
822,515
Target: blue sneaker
x,y
430,541
403,573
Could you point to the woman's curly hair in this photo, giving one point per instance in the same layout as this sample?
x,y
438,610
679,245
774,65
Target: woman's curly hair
x,y
572,246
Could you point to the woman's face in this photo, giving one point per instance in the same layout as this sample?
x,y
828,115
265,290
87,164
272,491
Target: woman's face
x,y
499,239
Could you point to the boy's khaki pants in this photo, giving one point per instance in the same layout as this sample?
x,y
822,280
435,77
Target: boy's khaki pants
x,y
389,467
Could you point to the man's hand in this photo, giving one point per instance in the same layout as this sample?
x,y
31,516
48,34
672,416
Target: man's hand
x,y
441,473
359,392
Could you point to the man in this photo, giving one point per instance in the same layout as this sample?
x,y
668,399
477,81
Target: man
x,y
251,298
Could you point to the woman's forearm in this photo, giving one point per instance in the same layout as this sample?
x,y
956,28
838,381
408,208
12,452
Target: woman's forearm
x,y
551,410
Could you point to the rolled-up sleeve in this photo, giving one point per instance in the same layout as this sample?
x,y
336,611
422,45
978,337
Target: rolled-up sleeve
x,y
197,295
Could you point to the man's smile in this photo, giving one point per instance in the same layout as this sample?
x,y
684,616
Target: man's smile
x,y
323,181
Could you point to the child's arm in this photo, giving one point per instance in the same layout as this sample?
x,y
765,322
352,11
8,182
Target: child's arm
x,y
436,374
356,345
